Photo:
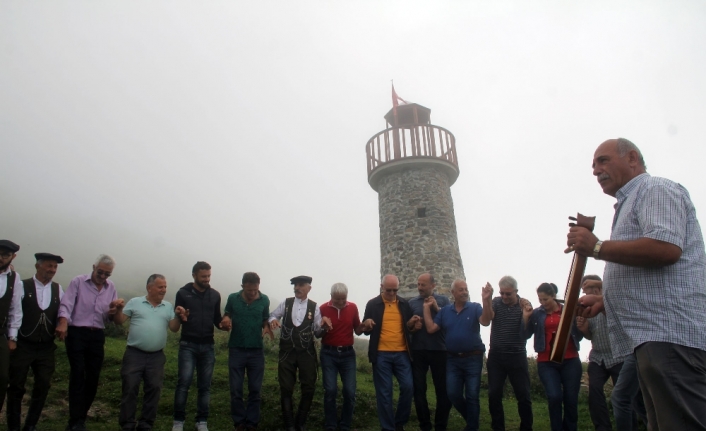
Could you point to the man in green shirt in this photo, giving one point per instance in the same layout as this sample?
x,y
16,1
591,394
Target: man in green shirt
x,y
247,311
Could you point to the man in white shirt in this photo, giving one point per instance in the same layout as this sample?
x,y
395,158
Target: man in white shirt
x,y
10,310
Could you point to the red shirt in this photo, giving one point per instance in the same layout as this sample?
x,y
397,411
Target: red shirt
x,y
551,324
344,321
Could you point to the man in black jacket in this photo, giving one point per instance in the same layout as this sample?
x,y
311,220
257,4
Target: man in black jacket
x,y
389,321
199,309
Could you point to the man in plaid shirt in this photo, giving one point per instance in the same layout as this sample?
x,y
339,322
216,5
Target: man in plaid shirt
x,y
654,285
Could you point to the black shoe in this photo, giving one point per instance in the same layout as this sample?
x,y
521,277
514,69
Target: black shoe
x,y
399,428
29,428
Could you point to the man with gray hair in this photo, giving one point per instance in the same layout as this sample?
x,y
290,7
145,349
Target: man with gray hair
x,y
508,356
89,303
340,319
144,358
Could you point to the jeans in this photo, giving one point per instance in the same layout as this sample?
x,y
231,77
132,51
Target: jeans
x,y
555,376
240,362
387,364
139,366
465,373
84,348
422,361
334,363
598,375
627,397
502,365
200,357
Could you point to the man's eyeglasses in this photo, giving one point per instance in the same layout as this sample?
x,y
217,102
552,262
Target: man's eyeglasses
x,y
102,273
391,290
6,254
506,293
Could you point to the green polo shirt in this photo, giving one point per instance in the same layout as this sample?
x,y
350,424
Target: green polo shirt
x,y
247,320
148,324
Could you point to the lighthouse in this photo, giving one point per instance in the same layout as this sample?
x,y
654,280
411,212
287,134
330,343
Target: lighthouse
x,y
412,165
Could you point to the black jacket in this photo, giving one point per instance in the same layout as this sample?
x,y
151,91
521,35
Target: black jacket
x,y
204,313
374,309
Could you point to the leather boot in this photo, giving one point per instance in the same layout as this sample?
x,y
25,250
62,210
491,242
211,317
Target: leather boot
x,y
287,413
303,412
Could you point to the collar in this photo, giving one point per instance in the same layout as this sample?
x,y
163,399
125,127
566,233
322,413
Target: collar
x,y
39,283
385,301
328,304
6,272
300,301
625,191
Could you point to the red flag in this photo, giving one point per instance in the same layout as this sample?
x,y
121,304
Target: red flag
x,y
395,101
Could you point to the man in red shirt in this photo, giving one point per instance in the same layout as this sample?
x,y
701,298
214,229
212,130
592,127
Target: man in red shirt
x,y
339,319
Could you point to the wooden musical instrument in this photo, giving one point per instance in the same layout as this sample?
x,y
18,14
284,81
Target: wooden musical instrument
x,y
571,295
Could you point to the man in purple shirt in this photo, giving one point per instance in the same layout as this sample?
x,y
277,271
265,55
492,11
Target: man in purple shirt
x,y
88,304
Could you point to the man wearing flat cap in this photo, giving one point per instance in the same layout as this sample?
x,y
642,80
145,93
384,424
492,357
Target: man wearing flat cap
x,y
10,310
35,342
299,320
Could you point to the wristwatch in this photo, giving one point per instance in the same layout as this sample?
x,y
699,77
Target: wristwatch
x,y
597,250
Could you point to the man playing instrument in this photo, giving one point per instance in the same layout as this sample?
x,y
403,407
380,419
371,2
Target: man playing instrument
x,y
655,259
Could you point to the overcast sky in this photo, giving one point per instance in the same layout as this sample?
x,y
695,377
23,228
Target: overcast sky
x,y
164,133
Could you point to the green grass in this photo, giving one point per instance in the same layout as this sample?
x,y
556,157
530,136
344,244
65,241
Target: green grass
x,y
104,413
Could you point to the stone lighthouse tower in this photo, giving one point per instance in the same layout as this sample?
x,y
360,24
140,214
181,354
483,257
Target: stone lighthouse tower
x,y
412,165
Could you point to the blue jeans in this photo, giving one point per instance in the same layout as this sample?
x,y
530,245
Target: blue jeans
x,y
627,397
465,373
241,361
555,376
334,363
199,357
387,364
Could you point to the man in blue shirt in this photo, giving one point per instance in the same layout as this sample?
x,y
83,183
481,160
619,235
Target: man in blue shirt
x,y
461,321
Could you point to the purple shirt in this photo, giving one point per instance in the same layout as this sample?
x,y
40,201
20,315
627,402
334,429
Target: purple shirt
x,y
84,305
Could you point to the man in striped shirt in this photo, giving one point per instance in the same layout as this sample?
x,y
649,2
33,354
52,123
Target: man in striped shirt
x,y
654,285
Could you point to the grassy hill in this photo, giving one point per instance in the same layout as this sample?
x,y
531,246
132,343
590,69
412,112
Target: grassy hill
x,y
104,413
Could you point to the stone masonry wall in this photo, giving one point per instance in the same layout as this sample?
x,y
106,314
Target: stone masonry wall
x,y
418,229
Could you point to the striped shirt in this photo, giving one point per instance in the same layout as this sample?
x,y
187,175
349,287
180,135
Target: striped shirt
x,y
665,304
601,352
505,329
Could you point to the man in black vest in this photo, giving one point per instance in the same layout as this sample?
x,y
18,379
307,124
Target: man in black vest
x,y
35,342
10,310
300,322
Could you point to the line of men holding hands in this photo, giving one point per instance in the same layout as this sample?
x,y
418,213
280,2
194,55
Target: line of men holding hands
x,y
653,295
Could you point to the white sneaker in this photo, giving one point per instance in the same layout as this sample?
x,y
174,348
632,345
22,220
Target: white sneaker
x,y
200,426
178,426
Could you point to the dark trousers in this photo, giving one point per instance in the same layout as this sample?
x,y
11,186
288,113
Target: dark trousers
x,y
4,368
84,348
40,358
598,375
289,362
422,361
513,365
139,366
673,383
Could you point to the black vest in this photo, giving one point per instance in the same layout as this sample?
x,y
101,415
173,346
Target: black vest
x,y
6,300
297,337
38,325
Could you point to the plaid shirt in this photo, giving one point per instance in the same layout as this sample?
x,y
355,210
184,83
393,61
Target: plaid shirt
x,y
665,304
601,352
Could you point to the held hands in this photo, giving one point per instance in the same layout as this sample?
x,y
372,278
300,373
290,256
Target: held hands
x,y
431,302
182,313
12,345
368,325
274,325
580,240
267,331
526,308
415,323
62,328
326,324
116,305
590,306
582,323
487,292
226,324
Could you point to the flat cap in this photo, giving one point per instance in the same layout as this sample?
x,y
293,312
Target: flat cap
x,y
49,256
9,245
301,279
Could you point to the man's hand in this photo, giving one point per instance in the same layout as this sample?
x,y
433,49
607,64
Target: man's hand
x,y
526,309
431,302
274,325
116,305
326,324
580,240
582,324
415,323
11,344
62,328
266,331
226,324
182,313
590,306
368,325
487,292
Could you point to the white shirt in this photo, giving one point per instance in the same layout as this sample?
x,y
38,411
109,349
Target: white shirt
x,y
298,313
44,293
14,315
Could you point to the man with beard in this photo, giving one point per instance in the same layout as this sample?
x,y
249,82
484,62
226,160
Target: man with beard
x,y
300,321
10,310
462,321
198,307
144,359
89,303
35,342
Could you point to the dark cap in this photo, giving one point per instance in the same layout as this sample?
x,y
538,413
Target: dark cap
x,y
49,256
301,279
9,245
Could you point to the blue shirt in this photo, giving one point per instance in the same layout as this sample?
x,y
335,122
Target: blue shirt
x,y
665,304
148,323
422,340
462,328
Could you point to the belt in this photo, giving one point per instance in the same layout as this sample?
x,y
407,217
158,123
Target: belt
x,y
144,351
465,354
337,348
88,328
